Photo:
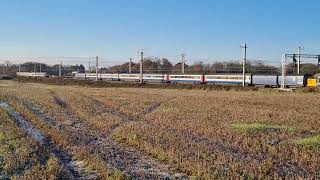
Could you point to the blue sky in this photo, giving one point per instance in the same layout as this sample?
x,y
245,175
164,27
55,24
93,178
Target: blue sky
x,y
207,30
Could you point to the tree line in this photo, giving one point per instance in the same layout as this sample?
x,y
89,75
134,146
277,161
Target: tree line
x,y
163,65
11,69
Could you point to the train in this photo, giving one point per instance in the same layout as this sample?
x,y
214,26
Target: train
x,y
219,79
32,74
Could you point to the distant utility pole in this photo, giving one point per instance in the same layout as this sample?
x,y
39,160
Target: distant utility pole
x,y
284,70
60,69
299,58
89,69
3,69
97,59
19,67
182,62
245,47
40,68
141,66
35,68
130,61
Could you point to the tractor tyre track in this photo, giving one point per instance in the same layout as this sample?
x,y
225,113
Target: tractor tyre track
x,y
130,161
64,158
283,169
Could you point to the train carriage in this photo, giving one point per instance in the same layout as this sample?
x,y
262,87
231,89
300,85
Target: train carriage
x,y
155,78
80,75
129,77
195,79
32,74
265,80
92,76
113,77
293,81
235,79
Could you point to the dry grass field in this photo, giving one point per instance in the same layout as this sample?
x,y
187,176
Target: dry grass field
x,y
118,133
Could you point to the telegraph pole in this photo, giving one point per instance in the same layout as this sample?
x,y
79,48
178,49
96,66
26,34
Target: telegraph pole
x,y
60,69
299,58
283,71
34,69
97,59
19,67
7,69
40,68
245,47
130,61
182,62
89,69
141,67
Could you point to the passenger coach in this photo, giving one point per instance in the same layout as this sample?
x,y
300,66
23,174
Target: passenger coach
x,y
195,79
32,74
226,79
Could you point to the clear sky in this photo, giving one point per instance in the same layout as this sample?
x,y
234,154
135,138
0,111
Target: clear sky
x,y
208,30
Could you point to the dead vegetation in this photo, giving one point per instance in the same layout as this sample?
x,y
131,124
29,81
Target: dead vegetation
x,y
157,133
23,157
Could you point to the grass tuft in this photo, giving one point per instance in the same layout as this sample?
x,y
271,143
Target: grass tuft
x,y
260,127
311,142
